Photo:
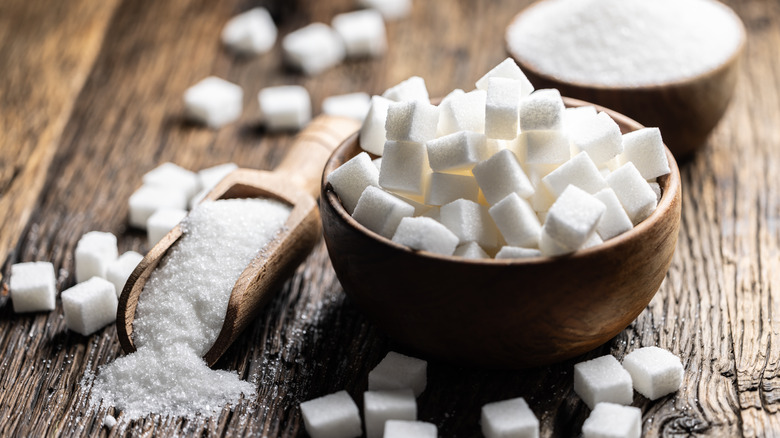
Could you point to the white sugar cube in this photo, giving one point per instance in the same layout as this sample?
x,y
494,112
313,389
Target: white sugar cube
x,y
597,135
398,371
509,418
654,371
332,416
94,252
213,102
419,207
150,198
287,107
551,248
174,177
405,168
542,110
390,9
462,112
516,221
646,150
507,69
470,221
363,32
412,120
352,105
373,134
573,218
502,107
252,32
580,171
515,252
89,306
161,222
470,250
33,286
409,429
424,233
500,175
634,193
445,188
352,177
119,271
575,115
313,48
603,379
211,176
615,221
410,89
610,420
377,162
380,211
542,199
656,189
593,240
546,147
457,152
380,406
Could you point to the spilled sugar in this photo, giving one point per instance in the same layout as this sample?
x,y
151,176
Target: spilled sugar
x,y
181,312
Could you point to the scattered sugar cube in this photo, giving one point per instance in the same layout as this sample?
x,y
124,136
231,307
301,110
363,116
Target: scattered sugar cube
x,y
161,222
549,247
287,107
380,406
470,221
580,171
646,150
445,188
313,48
363,32
457,152
408,90
470,250
615,221
656,189
654,371
33,286
405,168
352,105
546,147
507,69
500,175
373,134
502,107
412,120
424,233
252,32
94,252
509,418
514,252
398,371
603,379
174,177
610,420
90,305
332,416
542,110
516,221
462,112
573,218
597,135
351,178
409,429
390,9
211,176
214,102
380,211
119,271
634,193
150,198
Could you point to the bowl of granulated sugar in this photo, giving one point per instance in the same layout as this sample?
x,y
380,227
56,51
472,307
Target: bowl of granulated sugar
x,y
666,63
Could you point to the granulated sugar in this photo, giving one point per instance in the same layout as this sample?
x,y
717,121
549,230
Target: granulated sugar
x,y
625,42
181,311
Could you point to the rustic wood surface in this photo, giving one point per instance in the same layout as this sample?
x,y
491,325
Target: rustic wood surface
x,y
90,100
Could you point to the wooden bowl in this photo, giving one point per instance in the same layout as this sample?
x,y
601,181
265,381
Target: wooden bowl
x,y
686,111
501,313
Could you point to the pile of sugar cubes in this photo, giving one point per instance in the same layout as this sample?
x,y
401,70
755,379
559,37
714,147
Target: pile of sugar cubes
x,y
502,171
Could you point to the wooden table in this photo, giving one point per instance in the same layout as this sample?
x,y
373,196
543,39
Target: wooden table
x,y
90,99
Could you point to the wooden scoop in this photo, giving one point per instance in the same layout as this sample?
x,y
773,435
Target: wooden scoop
x,y
296,181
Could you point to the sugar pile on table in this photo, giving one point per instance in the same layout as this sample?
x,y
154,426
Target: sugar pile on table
x,y
181,311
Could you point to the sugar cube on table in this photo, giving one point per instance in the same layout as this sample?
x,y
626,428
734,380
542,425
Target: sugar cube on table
x,y
509,418
445,188
517,221
287,107
462,112
405,168
380,211
413,121
161,222
332,416
351,179
573,218
502,108
95,250
634,193
610,420
457,152
33,286
398,371
500,175
654,371
150,198
514,252
313,48
599,136
213,102
580,171
542,110
211,176
470,221
603,379
381,406
119,271
352,105
390,9
426,234
252,32
546,147
470,250
645,148
363,32
615,221
173,176
90,305
409,429
372,133
410,89
507,69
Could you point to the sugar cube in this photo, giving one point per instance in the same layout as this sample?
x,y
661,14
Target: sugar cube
x,y
363,32
470,221
462,112
593,240
109,421
380,211
211,176
175,177
398,371
313,48
352,177
514,252
161,222
454,93
445,188
94,252
509,418
610,420
390,9
287,107
252,32
352,105
419,207
410,89
373,134
542,110
332,416
549,247
542,199
90,305
119,271
150,198
409,429
502,107
412,120
214,102
405,168
507,69
646,150
597,135
424,233
516,221
656,189
457,152
380,406
615,221
377,162
634,193
603,379
580,171
575,115
573,217
33,286
470,250
546,147
500,175
654,371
